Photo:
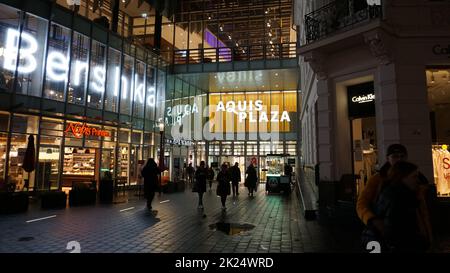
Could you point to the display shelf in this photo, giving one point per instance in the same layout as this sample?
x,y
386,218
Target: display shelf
x,y
80,163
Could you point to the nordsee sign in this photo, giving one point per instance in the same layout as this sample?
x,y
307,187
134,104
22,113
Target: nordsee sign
x,y
57,69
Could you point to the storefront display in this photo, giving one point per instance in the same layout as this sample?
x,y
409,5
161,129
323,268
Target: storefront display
x,y
441,169
276,179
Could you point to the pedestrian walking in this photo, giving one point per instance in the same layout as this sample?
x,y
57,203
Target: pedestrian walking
x,y
235,178
251,180
210,176
406,227
150,174
190,173
377,183
200,179
223,186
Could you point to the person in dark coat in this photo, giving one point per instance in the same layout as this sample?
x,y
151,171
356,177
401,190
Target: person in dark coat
x,y
223,187
406,226
201,175
190,173
251,180
235,178
150,174
210,176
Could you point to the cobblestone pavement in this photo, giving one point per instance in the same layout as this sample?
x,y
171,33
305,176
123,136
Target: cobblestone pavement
x,y
126,227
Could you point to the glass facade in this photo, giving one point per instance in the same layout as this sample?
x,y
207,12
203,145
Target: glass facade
x,y
90,103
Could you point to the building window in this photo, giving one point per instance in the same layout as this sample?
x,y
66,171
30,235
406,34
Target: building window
x,y
57,62
97,75
79,69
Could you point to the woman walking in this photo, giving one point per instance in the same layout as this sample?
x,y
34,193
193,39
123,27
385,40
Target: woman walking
x,y
200,176
150,174
223,187
252,178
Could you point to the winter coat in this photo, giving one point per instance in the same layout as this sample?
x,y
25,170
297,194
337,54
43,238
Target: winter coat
x,y
399,206
200,176
252,177
369,196
235,174
150,174
223,187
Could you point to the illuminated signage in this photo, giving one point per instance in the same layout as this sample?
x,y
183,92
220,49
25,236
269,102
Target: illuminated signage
x,y
79,130
363,99
177,113
57,68
441,50
245,110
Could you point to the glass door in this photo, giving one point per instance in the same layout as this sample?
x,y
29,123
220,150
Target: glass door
x,y
48,168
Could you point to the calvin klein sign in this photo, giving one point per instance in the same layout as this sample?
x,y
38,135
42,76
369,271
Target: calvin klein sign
x,y
441,50
361,100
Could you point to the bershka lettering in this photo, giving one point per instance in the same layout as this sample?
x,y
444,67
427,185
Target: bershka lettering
x,y
244,110
57,69
364,99
187,263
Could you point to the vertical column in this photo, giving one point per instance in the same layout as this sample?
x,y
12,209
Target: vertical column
x,y
403,113
324,126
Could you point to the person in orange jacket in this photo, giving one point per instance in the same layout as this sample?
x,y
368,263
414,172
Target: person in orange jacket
x,y
369,196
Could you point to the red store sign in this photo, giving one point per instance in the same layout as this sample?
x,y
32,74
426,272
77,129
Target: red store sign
x,y
79,130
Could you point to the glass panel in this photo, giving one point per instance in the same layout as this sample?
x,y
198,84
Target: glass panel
x,y
151,93
97,75
3,139
127,85
4,121
79,69
9,27
139,90
25,124
57,62
48,168
31,68
108,157
113,80
16,174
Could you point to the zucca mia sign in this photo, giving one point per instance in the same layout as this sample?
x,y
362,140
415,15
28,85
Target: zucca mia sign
x,y
79,130
57,69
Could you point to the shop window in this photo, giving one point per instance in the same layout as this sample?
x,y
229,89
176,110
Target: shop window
x,y
438,82
25,124
79,69
112,133
48,167
16,173
3,140
108,158
124,136
226,148
136,137
97,75
9,27
4,122
52,127
57,62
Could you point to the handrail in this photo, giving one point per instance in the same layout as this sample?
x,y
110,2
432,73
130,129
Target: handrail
x,y
335,16
228,54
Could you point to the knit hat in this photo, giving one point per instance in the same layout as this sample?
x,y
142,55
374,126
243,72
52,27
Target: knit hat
x,y
396,149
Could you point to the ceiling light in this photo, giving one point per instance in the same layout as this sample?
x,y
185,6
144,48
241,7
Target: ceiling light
x,y
270,34
276,74
221,28
276,85
266,12
144,15
268,24
237,44
432,78
271,42
229,37
209,17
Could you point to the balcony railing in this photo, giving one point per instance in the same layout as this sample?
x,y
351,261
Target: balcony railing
x,y
335,16
227,54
